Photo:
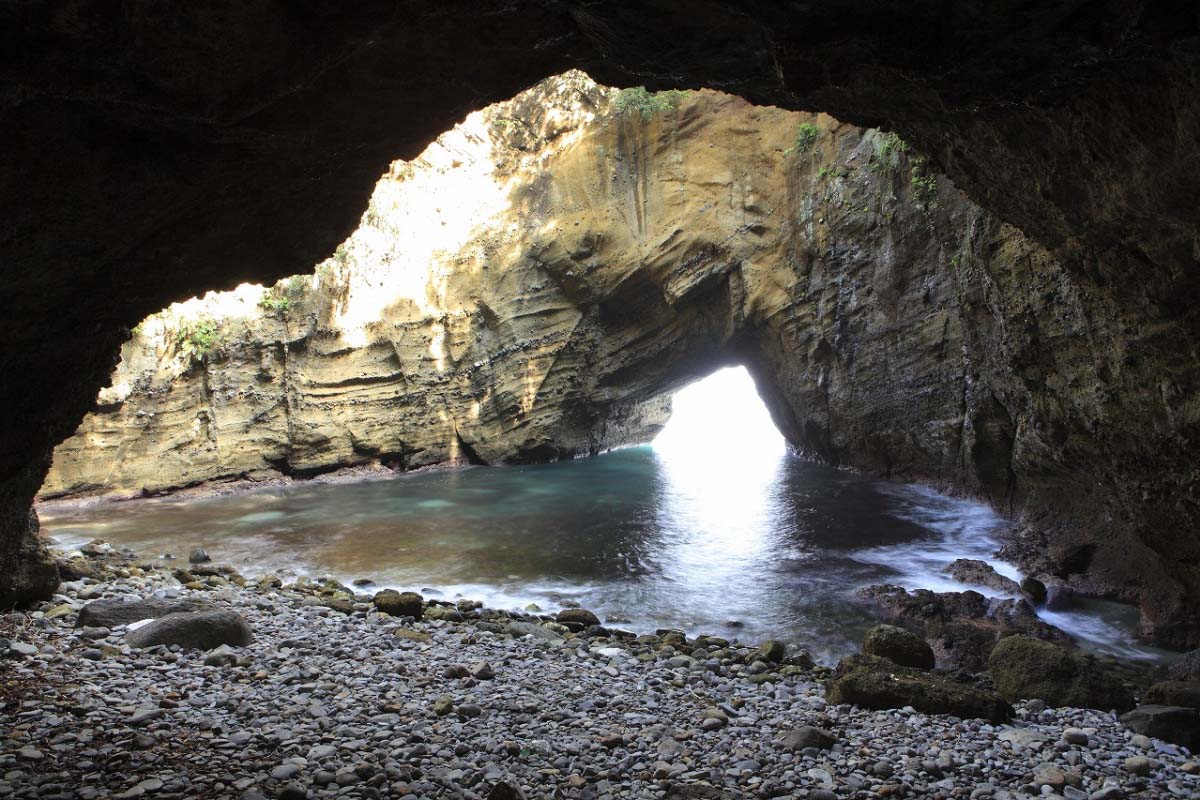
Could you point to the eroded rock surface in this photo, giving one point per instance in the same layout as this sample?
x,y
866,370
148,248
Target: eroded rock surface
x,y
961,627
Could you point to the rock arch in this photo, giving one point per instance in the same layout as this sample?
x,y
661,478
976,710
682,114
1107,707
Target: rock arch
x,y
151,159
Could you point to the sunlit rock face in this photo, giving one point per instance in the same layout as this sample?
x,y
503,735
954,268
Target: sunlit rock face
x,y
544,275
539,280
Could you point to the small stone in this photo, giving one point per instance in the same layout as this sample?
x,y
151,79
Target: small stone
x,y
199,556
285,772
1075,736
443,705
505,791
222,656
1190,767
91,654
1138,765
30,754
1141,742
144,715
22,649
469,711
612,740
1050,775
882,769
95,633
1108,793
483,671
293,791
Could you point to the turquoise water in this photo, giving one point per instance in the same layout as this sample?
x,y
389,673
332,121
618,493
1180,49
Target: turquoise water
x,y
742,540
635,535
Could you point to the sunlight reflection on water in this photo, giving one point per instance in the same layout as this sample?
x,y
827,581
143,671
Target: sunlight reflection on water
x,y
716,528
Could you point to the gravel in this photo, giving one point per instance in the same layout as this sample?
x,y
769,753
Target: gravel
x,y
361,704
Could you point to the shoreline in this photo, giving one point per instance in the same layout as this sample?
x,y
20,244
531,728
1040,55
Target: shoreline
x,y
331,693
377,473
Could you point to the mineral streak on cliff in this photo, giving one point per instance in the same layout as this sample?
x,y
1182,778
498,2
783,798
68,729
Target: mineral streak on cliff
x,y
539,280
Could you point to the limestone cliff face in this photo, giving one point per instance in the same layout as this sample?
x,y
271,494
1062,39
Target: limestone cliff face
x,y
544,275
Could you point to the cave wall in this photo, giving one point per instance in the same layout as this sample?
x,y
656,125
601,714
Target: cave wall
x,y
156,152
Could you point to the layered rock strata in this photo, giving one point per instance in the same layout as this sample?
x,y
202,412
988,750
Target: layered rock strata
x,y
605,249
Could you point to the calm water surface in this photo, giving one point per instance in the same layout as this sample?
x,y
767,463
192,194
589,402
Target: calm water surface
x,y
727,541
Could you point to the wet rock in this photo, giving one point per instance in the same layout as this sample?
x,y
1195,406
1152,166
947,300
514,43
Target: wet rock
x,y
1186,667
1173,693
532,629
961,627
874,682
96,548
580,616
1175,724
981,573
772,650
1059,595
199,556
1035,589
113,613
1022,667
445,613
200,630
400,604
898,645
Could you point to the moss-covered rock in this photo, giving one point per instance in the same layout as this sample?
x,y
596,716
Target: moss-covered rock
x,y
899,645
1174,693
874,682
400,604
1024,668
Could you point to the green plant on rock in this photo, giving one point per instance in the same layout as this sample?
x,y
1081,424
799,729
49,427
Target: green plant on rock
x,y
637,100
806,137
283,296
923,184
887,150
197,338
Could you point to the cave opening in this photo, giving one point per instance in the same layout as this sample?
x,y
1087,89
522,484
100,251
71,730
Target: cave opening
x,y
528,290
720,422
995,292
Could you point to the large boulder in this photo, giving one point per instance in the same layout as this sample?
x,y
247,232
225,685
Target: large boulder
x,y
400,604
981,573
1024,668
961,627
111,613
898,645
200,630
577,616
1173,693
1174,724
874,682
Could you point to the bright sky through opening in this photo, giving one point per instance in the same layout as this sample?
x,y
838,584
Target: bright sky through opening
x,y
721,419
